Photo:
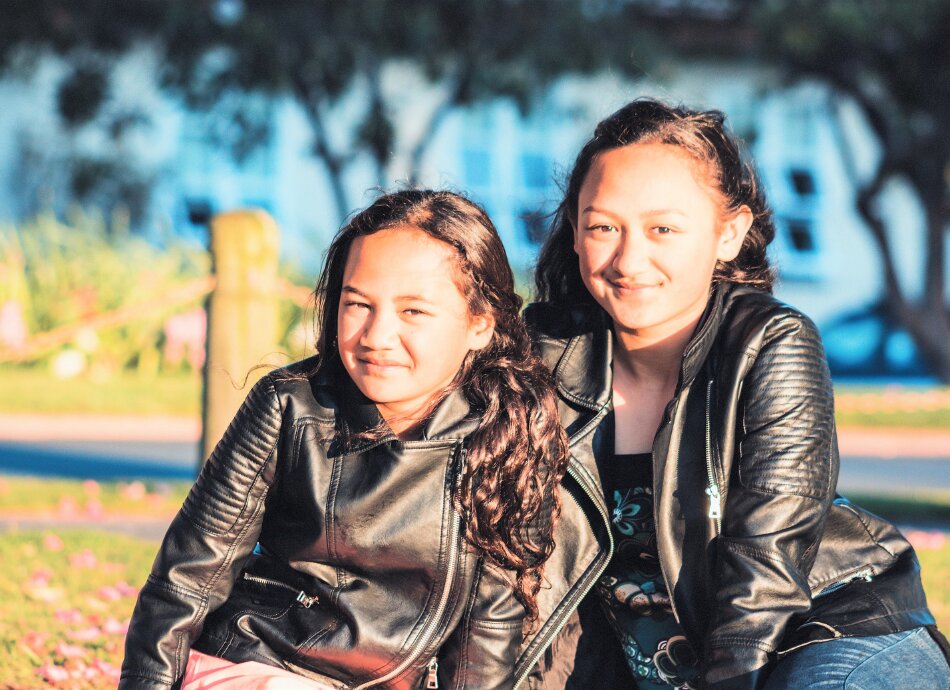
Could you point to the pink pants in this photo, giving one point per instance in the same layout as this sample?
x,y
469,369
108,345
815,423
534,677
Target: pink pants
x,y
211,673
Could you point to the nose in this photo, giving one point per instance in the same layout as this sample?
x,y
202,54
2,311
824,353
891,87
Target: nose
x,y
380,330
632,253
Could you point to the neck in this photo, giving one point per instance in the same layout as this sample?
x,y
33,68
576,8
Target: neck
x,y
651,357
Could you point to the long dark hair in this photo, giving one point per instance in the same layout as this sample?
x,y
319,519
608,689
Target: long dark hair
x,y
703,136
518,455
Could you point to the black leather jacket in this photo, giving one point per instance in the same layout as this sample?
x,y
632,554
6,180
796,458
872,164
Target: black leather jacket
x,y
361,576
758,552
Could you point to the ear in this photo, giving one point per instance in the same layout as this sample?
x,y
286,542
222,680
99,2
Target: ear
x,y
733,234
576,236
480,331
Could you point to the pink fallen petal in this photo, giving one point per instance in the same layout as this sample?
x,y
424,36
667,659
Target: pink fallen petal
x,y
40,577
91,487
44,593
67,507
85,634
69,616
52,673
133,491
114,627
126,589
923,540
108,670
109,594
94,509
34,640
70,650
52,542
83,559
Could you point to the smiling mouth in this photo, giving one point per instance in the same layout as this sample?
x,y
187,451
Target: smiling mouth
x,y
380,365
630,287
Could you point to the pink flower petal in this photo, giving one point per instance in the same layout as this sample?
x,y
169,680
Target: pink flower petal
x,y
52,673
91,487
83,559
126,589
114,627
85,634
134,491
70,650
109,594
67,506
94,509
69,616
52,542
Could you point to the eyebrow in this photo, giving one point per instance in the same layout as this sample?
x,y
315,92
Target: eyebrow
x,y
400,298
645,214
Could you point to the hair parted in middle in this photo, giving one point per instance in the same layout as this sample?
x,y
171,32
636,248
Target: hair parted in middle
x,y
703,136
518,455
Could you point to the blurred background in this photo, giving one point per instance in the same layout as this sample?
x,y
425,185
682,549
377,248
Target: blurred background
x,y
159,155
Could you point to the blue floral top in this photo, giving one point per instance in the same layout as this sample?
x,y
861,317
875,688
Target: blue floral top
x,y
632,589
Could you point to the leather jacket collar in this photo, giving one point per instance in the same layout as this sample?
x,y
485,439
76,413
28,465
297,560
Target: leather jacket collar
x,y
453,418
584,372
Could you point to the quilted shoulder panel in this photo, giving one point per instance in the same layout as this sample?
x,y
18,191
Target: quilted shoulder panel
x,y
233,477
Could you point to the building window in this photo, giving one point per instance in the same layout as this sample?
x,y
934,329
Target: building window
x,y
803,182
801,235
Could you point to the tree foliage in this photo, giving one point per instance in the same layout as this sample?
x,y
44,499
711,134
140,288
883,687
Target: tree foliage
x,y
893,60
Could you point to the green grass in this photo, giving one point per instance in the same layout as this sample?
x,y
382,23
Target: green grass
x,y
66,594
35,391
66,498
64,601
897,419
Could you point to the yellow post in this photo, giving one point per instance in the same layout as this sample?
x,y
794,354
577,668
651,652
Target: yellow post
x,y
242,315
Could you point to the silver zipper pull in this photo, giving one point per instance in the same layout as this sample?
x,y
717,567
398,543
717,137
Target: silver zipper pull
x,y
715,502
307,601
432,679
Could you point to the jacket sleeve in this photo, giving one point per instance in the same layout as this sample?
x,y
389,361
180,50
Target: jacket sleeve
x,y
205,547
781,487
481,653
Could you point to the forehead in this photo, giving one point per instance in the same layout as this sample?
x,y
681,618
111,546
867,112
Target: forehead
x,y
401,259
638,172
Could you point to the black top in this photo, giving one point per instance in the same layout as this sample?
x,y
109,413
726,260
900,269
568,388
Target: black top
x,y
632,589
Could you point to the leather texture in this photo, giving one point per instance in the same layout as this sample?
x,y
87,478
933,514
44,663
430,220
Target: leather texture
x,y
343,560
788,556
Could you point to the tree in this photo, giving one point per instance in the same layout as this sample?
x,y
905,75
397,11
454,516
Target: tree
x,y
219,55
893,60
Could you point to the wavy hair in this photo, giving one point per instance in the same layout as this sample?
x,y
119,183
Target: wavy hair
x,y
518,455
700,134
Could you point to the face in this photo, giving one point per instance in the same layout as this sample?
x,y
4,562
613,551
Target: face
x,y
404,327
649,232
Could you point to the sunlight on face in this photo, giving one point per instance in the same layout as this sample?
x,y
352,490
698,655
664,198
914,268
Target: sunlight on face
x,y
649,233
404,327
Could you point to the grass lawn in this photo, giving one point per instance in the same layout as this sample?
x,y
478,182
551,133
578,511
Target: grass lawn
x,y
35,391
66,594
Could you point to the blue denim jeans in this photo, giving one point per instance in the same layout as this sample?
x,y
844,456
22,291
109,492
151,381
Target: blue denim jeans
x,y
908,660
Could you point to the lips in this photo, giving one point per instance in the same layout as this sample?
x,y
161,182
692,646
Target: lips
x,y
630,287
380,365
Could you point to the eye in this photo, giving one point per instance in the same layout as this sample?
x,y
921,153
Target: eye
x,y
351,304
602,228
415,312
662,229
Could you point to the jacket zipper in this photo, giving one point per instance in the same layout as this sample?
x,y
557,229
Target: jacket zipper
x,y
432,625
578,594
866,574
303,598
712,489
432,674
